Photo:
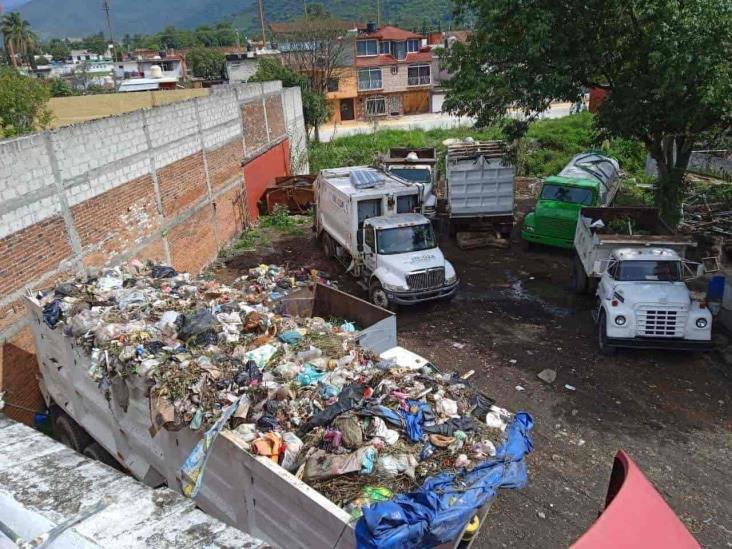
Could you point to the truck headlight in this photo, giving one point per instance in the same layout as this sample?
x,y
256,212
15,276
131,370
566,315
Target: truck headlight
x,y
620,320
701,322
529,228
395,287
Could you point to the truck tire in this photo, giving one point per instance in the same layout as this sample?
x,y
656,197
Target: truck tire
x,y
605,349
378,296
96,452
327,243
70,433
580,281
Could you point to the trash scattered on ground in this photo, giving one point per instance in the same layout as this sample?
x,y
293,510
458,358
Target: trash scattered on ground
x,y
570,387
548,375
520,388
298,391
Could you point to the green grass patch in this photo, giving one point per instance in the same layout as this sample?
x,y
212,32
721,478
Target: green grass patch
x,y
281,220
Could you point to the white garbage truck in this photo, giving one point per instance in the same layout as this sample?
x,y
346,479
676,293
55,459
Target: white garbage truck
x,y
371,222
636,267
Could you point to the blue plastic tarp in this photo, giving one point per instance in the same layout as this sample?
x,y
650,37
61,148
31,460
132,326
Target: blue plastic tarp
x,y
439,510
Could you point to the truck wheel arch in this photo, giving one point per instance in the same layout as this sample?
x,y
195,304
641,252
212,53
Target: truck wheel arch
x,y
605,349
71,433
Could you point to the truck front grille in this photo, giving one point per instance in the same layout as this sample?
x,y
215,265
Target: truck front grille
x,y
655,321
427,279
554,226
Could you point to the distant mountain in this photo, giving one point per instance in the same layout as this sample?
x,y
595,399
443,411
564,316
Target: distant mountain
x,y
75,18
12,5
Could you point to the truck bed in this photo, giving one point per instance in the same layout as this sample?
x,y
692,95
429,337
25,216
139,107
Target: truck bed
x,y
594,245
252,494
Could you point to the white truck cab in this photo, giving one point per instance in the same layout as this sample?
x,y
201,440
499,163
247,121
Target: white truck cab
x,y
402,262
643,301
371,222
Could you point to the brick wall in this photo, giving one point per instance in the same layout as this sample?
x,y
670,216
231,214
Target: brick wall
x,y
165,184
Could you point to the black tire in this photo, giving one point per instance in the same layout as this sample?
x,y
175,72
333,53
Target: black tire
x,y
327,243
580,281
71,434
377,296
605,349
96,452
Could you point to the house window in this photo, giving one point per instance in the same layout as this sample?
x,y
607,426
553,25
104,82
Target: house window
x,y
399,50
376,106
418,75
367,47
412,45
332,85
395,69
167,66
369,79
385,48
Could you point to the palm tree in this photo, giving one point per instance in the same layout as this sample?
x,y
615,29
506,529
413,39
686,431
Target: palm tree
x,y
17,34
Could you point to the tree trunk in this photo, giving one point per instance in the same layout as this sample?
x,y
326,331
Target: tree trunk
x,y
13,60
316,133
672,154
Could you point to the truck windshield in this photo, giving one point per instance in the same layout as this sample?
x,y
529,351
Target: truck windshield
x,y
575,195
661,271
413,174
400,240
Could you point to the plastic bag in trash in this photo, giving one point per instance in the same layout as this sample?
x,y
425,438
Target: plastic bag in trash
x,y
392,466
130,298
168,317
196,324
293,446
309,375
163,271
52,313
261,355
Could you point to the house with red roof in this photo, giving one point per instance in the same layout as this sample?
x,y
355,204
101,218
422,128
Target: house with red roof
x,y
393,74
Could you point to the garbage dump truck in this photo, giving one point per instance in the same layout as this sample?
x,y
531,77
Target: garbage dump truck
x,y
367,219
220,392
635,265
590,179
419,166
479,188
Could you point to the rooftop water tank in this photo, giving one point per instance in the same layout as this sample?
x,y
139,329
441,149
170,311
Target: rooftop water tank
x,y
156,71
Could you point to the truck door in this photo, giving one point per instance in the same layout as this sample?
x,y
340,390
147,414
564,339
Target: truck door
x,y
369,248
366,209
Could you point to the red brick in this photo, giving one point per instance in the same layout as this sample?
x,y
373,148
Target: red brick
x,y
182,183
155,252
18,371
192,242
32,252
224,163
255,126
231,213
116,221
275,117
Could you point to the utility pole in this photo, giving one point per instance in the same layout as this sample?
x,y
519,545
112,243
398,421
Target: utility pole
x,y
261,22
106,8
305,8
378,13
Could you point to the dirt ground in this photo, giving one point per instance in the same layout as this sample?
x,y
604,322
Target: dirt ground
x,y
515,315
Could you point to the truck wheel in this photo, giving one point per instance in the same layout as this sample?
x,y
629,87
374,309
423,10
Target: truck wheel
x,y
96,452
378,296
327,243
579,277
605,349
71,433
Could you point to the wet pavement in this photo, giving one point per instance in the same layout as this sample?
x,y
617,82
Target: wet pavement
x,y
514,316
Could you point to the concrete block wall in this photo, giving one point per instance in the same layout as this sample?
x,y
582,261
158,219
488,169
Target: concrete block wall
x,y
166,184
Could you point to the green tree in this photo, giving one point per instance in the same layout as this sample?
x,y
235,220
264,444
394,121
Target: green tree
x,y
60,88
59,49
96,43
207,63
314,105
665,63
23,103
17,35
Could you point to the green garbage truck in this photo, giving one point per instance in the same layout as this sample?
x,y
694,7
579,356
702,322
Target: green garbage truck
x,y
589,180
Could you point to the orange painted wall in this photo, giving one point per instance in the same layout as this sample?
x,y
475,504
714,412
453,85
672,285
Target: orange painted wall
x,y
260,173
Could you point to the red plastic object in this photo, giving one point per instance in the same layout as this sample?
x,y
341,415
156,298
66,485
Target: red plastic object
x,y
635,515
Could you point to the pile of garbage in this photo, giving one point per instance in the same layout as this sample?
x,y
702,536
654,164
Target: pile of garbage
x,y
298,391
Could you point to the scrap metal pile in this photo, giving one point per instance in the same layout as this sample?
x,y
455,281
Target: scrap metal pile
x,y
356,427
